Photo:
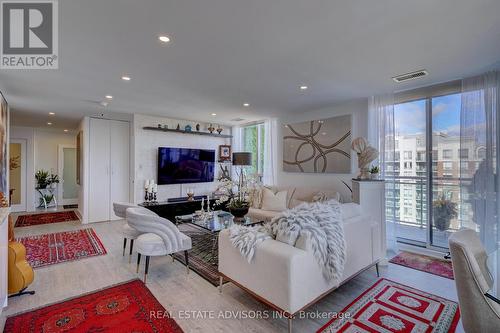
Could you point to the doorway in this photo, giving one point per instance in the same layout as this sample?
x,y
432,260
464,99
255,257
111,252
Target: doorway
x,y
17,175
68,188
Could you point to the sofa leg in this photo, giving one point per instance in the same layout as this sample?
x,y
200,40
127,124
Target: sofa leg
x,y
130,252
377,269
173,258
146,269
290,324
124,246
186,256
138,262
220,284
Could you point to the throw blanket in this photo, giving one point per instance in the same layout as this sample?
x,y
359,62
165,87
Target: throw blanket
x,y
319,222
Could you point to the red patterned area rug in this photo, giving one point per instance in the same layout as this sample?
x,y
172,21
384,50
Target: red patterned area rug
x,y
49,249
128,307
388,306
423,263
45,218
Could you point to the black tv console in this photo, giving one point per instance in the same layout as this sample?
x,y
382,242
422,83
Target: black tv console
x,y
170,210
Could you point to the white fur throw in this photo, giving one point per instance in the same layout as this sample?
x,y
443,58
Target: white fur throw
x,y
320,222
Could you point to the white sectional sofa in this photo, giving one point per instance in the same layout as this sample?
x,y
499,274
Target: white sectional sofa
x,y
288,278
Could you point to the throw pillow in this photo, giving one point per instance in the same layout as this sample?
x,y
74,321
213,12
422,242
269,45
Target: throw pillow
x,y
323,196
255,197
274,201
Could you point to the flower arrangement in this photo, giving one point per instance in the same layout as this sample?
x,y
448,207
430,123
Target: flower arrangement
x,y
44,179
443,211
374,170
231,195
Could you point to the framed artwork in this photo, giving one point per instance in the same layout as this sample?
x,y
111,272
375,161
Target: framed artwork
x,y
318,146
224,153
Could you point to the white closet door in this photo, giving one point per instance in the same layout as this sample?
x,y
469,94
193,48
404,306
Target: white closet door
x,y
120,163
99,170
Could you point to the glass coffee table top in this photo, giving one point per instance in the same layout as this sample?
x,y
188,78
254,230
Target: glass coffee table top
x,y
217,221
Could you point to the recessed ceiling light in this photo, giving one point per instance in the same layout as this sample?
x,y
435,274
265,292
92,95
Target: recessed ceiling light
x,y
214,114
109,97
126,78
49,123
164,39
303,87
51,113
246,105
66,130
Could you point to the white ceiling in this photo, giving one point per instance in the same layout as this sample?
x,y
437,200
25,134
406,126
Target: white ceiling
x,y
228,52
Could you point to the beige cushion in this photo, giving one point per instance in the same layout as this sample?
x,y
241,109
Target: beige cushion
x,y
262,215
325,195
274,201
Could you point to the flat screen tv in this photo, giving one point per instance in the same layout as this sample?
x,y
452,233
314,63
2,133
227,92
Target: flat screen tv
x,y
183,165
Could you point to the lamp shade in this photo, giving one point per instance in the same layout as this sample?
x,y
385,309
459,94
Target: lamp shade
x,y
242,158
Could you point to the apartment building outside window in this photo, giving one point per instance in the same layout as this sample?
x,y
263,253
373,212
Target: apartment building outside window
x,y
447,154
254,142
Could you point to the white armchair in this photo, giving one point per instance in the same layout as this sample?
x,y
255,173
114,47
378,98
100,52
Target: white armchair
x,y
128,232
473,280
159,236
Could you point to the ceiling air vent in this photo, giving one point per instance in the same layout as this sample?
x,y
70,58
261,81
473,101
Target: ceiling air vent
x,y
410,76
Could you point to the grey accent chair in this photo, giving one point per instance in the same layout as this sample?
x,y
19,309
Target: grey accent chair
x,y
473,280
128,232
159,237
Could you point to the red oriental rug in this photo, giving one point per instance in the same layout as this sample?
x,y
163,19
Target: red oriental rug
x,y
49,249
388,306
45,218
423,263
128,307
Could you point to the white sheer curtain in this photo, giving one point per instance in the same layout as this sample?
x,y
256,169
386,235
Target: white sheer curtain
x,y
381,135
236,145
269,172
479,127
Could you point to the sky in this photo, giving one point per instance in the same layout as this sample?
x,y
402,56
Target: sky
x,y
410,117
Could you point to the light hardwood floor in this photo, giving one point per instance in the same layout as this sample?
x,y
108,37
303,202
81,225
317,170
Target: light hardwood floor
x,y
180,293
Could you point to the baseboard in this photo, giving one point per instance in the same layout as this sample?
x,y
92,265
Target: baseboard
x,y
421,250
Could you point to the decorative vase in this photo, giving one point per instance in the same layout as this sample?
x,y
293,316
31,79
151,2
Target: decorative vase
x,y
238,213
178,127
211,128
197,127
219,129
374,176
187,128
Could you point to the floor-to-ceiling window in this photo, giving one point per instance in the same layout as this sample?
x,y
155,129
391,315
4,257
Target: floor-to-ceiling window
x,y
430,166
253,137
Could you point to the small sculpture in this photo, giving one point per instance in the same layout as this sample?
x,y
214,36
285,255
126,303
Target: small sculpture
x,y
219,129
366,155
165,126
211,128
187,128
178,127
159,125
197,127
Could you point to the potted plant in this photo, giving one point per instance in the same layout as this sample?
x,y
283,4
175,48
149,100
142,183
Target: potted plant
x,y
443,210
42,179
236,202
374,171
53,180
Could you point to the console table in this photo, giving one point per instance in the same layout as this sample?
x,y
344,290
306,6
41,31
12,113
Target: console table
x,y
170,210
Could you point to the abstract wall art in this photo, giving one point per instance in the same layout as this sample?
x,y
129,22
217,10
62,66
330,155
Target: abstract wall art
x,y
318,146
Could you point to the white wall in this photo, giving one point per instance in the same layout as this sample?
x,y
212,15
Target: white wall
x,y
359,111
145,149
47,143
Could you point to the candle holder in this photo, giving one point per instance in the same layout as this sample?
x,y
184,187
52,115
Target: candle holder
x,y
146,196
190,194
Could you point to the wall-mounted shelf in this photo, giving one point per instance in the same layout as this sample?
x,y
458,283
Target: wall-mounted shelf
x,y
151,128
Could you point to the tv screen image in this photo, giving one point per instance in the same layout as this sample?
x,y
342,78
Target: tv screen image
x,y
184,165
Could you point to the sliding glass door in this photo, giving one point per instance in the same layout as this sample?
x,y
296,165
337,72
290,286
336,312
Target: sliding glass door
x,y
430,169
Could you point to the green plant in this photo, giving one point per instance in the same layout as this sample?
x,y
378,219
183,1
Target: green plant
x,y
42,178
374,169
443,210
48,198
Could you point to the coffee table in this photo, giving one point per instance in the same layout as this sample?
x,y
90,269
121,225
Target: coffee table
x,y
219,220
